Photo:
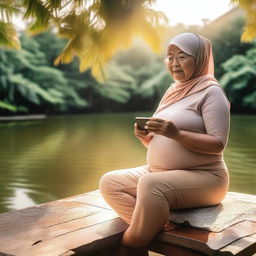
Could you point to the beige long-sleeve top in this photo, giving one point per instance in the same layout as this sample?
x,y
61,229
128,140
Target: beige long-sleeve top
x,y
207,112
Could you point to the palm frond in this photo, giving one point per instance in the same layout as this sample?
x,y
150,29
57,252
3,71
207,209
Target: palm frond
x,y
55,4
249,33
97,31
8,36
151,36
39,13
94,59
76,29
156,18
7,9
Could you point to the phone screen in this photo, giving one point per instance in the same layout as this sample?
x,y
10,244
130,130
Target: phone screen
x,y
141,122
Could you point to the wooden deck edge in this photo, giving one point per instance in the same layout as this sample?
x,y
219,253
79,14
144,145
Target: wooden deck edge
x,y
5,254
22,118
183,242
98,231
102,244
244,245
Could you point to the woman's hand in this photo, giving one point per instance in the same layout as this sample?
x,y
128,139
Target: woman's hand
x,y
162,127
142,135
139,133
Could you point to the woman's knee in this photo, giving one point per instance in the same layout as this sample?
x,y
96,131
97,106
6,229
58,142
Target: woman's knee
x,y
150,186
107,182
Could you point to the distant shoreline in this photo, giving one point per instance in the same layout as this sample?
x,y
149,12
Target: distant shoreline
x,y
21,118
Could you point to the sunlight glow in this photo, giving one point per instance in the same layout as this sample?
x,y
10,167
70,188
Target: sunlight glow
x,y
193,12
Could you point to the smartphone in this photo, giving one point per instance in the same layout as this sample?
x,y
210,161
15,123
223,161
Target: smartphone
x,y
141,121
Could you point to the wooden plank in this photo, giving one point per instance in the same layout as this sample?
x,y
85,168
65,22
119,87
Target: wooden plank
x,y
86,224
93,198
20,241
245,246
88,240
81,223
187,237
25,239
43,249
208,242
65,213
42,216
228,236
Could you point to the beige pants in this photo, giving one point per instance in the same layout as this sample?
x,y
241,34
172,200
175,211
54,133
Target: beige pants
x,y
143,198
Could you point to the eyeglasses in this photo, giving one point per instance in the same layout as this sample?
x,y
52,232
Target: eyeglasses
x,y
179,58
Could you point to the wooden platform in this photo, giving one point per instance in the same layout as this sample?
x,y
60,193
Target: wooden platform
x,y
85,225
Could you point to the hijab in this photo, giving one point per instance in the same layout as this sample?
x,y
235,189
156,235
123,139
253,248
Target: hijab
x,y
201,49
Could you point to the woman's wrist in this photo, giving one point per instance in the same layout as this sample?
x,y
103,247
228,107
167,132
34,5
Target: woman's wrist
x,y
199,142
178,135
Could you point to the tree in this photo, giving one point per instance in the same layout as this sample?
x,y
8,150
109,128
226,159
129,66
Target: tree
x,y
95,29
250,27
28,83
239,81
8,35
226,41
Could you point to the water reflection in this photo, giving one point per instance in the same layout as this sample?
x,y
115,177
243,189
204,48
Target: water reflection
x,y
240,154
20,199
61,156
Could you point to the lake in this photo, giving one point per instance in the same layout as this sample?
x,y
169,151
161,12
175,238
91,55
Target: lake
x,y
60,156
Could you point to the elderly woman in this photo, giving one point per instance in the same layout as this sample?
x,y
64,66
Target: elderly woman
x,y
185,140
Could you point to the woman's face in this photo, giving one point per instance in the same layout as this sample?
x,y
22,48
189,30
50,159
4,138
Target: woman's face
x,y
180,64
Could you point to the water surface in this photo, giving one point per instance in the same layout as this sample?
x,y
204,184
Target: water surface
x,y
45,160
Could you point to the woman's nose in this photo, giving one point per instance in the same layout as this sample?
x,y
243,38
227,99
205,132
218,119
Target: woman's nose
x,y
175,63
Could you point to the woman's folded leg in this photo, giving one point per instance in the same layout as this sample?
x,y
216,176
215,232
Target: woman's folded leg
x,y
159,192
119,188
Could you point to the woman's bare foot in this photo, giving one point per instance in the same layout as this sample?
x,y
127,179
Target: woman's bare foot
x,y
168,226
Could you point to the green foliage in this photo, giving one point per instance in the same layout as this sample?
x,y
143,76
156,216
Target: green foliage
x,y
26,81
50,44
155,85
249,32
10,107
118,85
8,36
226,42
136,78
224,34
87,26
239,81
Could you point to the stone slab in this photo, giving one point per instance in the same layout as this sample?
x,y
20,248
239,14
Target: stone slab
x,y
235,208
